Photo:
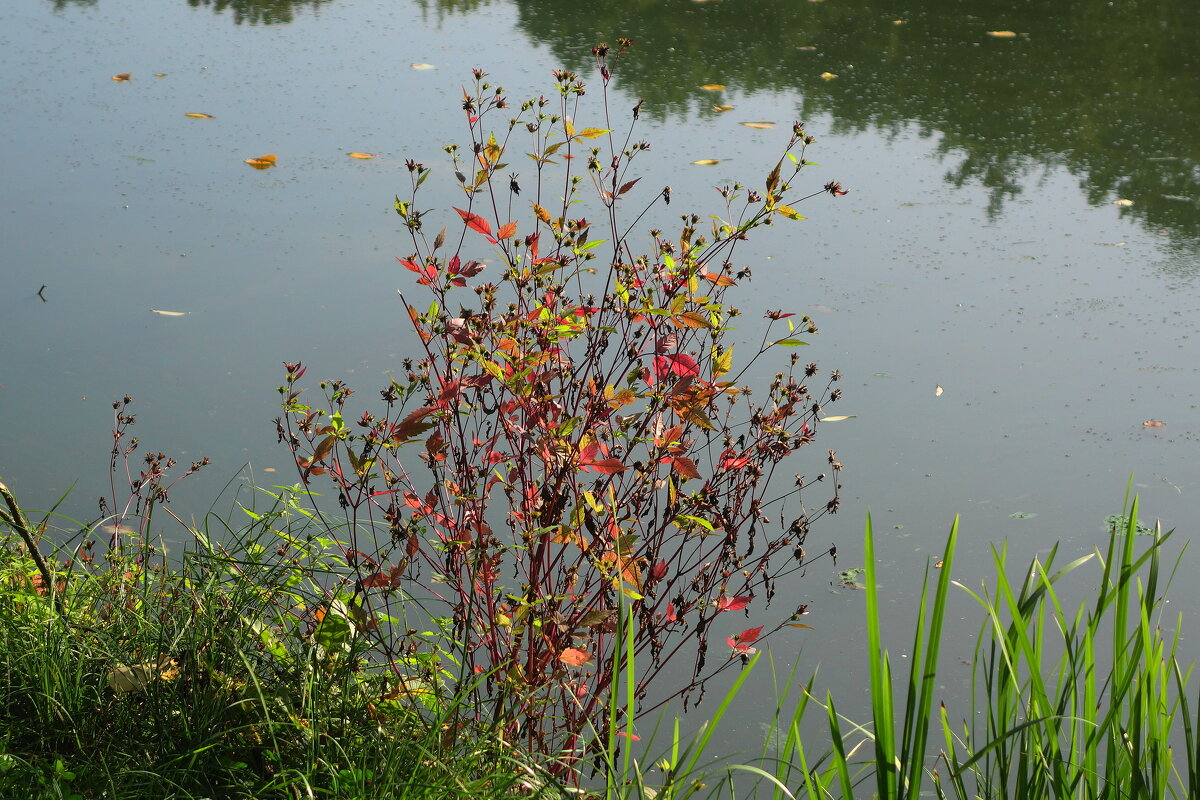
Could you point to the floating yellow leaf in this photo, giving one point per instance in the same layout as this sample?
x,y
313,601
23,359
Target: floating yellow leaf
x,y
160,74
722,108
838,419
169,313
262,162
938,391
124,76
763,125
828,75
268,469
361,155
897,22
713,87
1002,34
198,115
1153,423
1122,202
423,66
938,565
707,162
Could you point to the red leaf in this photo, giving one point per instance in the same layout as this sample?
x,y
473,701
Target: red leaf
x,y
686,467
627,186
679,363
659,571
609,466
410,264
733,603
671,615
749,635
475,222
507,231
414,424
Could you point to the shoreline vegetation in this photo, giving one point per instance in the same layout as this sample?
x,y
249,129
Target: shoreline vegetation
x,y
470,587
136,675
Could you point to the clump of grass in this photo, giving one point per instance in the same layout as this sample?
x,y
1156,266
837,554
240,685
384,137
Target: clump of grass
x,y
130,675
1085,704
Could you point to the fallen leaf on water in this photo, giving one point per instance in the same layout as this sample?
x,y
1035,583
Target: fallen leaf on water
x,y
1023,515
938,565
838,418
1122,202
361,155
1002,34
422,66
124,76
169,313
160,74
268,469
707,162
713,87
722,108
198,115
938,391
262,162
828,75
897,22
807,47
1153,423
762,125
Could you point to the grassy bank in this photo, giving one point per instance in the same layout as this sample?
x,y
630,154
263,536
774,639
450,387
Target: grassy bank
x,y
229,672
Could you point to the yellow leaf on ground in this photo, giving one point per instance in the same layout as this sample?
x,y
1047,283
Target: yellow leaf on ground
x,y
124,76
198,115
762,125
713,87
361,155
707,162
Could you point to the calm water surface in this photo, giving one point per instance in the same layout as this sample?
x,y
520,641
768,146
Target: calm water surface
x,y
981,249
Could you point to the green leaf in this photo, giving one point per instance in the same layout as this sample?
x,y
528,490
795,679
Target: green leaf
x,y
790,342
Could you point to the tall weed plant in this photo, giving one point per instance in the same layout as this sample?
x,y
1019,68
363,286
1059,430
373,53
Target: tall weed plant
x,y
572,477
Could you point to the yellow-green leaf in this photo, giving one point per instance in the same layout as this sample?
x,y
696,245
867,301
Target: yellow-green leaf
x,y
592,133
789,212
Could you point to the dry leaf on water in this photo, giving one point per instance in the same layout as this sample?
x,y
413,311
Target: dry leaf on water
x,y
828,75
713,87
707,162
262,162
938,391
722,108
361,155
1002,34
1122,202
1153,423
761,125
422,66
807,47
123,76
169,313
198,115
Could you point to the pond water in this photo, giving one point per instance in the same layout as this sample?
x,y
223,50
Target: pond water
x,y
1010,288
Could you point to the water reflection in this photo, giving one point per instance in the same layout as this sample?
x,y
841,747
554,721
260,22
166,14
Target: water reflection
x,y
1109,92
259,12
253,12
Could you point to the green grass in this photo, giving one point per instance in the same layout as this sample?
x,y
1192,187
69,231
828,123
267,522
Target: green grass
x,y
210,675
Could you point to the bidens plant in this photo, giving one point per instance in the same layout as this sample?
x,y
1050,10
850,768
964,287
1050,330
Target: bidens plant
x,y
572,473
